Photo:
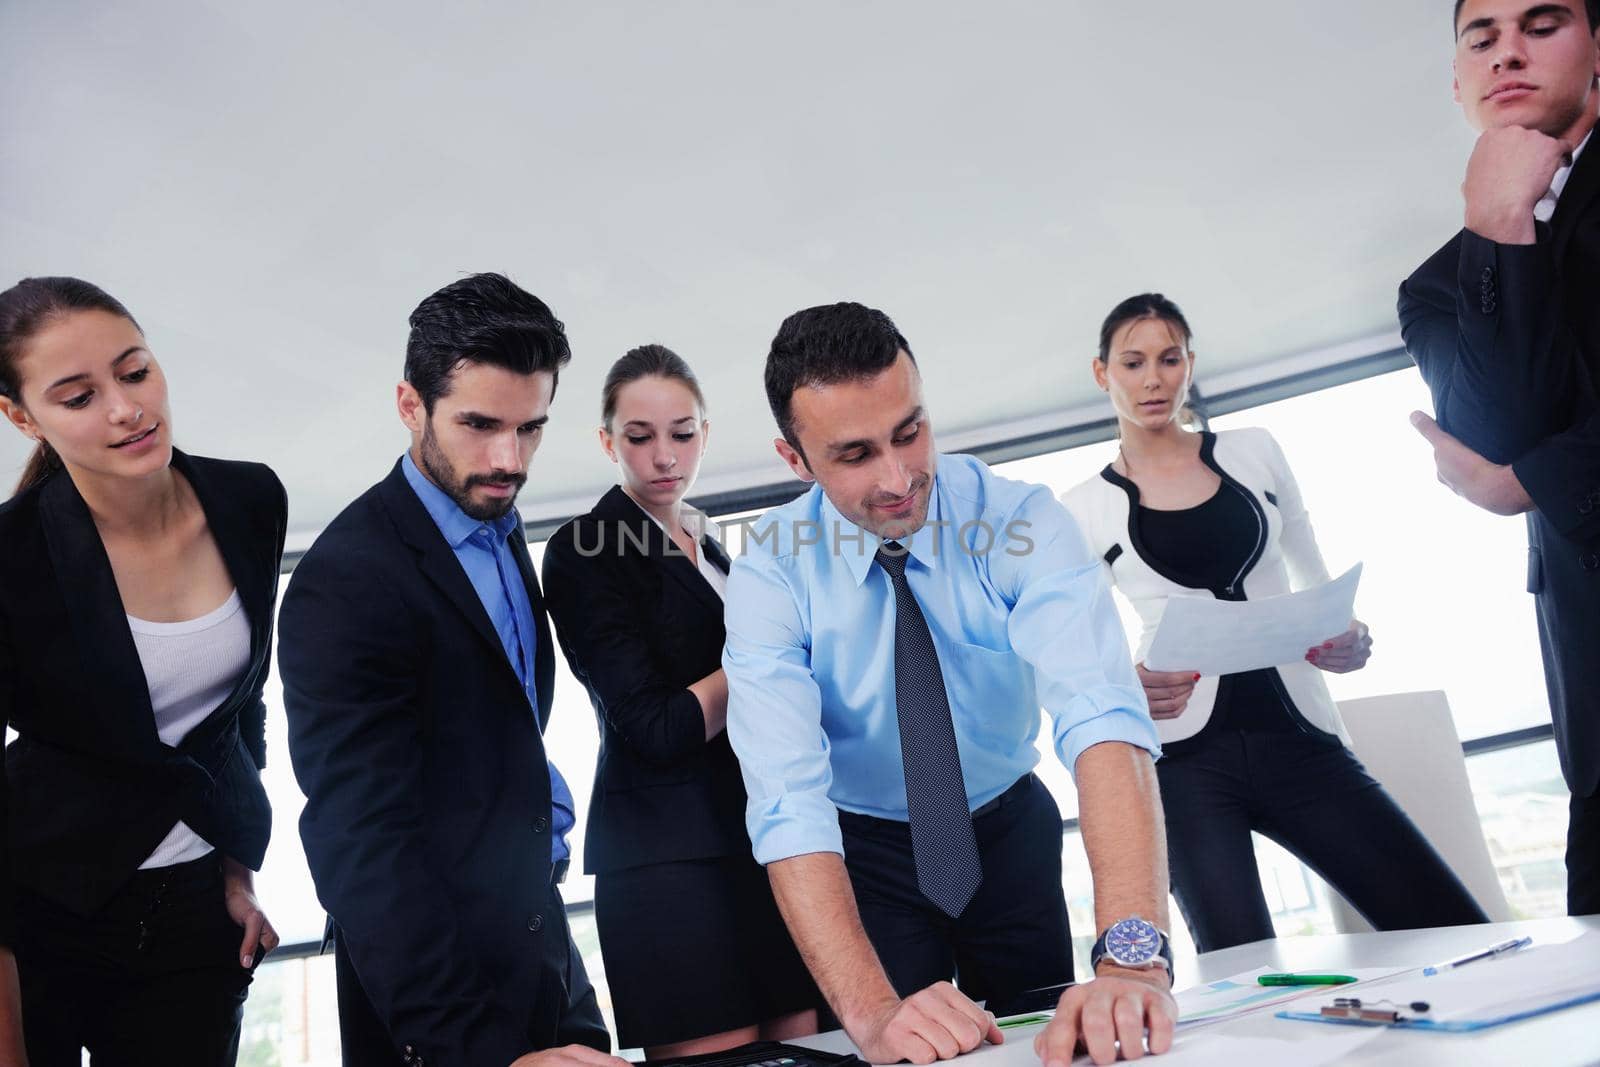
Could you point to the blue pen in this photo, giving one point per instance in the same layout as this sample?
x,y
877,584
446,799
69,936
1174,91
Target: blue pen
x,y
1492,952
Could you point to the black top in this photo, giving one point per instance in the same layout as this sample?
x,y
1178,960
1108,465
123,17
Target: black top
x,y
89,788
639,624
1212,543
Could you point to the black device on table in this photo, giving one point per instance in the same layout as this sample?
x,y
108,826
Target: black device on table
x,y
764,1054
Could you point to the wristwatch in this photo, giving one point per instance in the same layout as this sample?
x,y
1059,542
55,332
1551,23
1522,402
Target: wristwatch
x,y
1133,943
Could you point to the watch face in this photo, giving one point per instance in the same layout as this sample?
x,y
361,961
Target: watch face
x,y
1133,942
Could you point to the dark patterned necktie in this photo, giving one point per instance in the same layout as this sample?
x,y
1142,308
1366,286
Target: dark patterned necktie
x,y
942,841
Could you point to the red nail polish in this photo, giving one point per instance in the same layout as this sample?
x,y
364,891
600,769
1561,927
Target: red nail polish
x,y
1197,677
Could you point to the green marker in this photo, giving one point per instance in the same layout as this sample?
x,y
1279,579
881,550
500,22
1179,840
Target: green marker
x,y
1021,1020
1305,979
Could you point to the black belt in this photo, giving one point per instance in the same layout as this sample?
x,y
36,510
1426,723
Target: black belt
x,y
1012,794
1015,792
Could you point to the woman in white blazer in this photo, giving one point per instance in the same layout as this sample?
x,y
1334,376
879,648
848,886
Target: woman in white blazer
x,y
1179,513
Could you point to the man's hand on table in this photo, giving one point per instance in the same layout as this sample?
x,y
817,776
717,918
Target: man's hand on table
x,y
569,1056
1116,1009
937,1023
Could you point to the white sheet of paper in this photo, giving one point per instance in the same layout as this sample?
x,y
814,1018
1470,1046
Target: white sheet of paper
x,y
1211,636
1241,994
1540,974
1206,1048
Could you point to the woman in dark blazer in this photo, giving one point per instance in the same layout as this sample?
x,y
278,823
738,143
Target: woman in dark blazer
x,y
696,954
135,630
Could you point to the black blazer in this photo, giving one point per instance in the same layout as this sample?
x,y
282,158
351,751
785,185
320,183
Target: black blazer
x,y
427,817
1508,339
90,788
638,624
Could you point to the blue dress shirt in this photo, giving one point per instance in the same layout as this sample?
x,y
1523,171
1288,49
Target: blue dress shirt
x,y
484,550
1021,616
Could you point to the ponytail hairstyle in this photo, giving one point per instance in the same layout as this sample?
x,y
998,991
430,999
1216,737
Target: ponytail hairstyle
x,y
1149,306
25,309
646,361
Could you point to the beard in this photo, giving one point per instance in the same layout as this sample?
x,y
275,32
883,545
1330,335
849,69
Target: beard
x,y
899,529
438,467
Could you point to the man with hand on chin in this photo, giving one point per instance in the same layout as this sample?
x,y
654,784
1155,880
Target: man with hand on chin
x,y
1504,323
892,635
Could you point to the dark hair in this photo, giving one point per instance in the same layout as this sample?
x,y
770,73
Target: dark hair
x,y
25,309
824,346
1143,306
646,361
484,318
1592,7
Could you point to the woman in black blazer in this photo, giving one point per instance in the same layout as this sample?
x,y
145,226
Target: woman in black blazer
x,y
135,631
696,954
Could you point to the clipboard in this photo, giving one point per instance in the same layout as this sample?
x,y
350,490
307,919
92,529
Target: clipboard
x,y
1450,1026
1469,996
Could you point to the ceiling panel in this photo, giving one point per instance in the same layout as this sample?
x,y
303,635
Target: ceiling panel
x,y
272,188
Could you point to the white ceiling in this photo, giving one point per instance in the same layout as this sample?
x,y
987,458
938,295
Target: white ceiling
x,y
271,188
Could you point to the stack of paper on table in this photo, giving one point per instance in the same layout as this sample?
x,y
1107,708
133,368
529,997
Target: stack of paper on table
x,y
1205,1048
1241,994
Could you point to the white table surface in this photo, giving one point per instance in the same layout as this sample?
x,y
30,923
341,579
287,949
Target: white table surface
x,y
1569,1038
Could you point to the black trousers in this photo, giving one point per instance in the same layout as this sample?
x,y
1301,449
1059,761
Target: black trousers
x,y
154,977
1583,856
1011,937
1315,799
364,1041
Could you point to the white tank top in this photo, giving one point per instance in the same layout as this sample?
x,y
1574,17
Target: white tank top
x,y
190,667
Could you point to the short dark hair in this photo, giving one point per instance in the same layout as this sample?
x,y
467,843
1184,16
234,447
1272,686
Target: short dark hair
x,y
484,318
1143,306
1592,7
25,309
646,361
824,346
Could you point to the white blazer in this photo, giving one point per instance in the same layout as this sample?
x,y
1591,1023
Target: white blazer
x,y
1285,558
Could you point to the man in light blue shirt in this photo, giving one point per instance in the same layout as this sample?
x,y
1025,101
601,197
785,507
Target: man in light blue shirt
x,y
892,635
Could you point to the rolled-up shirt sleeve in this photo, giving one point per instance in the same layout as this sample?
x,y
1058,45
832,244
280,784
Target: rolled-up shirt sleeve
x,y
1064,624
775,716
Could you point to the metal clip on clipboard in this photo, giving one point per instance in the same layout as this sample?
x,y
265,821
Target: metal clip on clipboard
x,y
1378,1013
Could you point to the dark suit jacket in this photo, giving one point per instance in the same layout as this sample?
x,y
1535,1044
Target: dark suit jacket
x,y
90,788
639,624
427,818
1508,339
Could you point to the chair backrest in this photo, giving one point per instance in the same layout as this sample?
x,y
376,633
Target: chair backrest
x,y
1409,743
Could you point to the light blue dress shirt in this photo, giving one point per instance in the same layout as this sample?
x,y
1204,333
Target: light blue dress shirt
x,y
485,554
1021,616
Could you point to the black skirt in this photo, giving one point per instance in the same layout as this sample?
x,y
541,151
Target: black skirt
x,y
696,947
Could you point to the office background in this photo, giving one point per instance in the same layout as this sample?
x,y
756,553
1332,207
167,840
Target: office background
x,y
272,188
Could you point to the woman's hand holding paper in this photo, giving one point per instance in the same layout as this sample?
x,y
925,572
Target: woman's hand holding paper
x,y
1167,691
1345,653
